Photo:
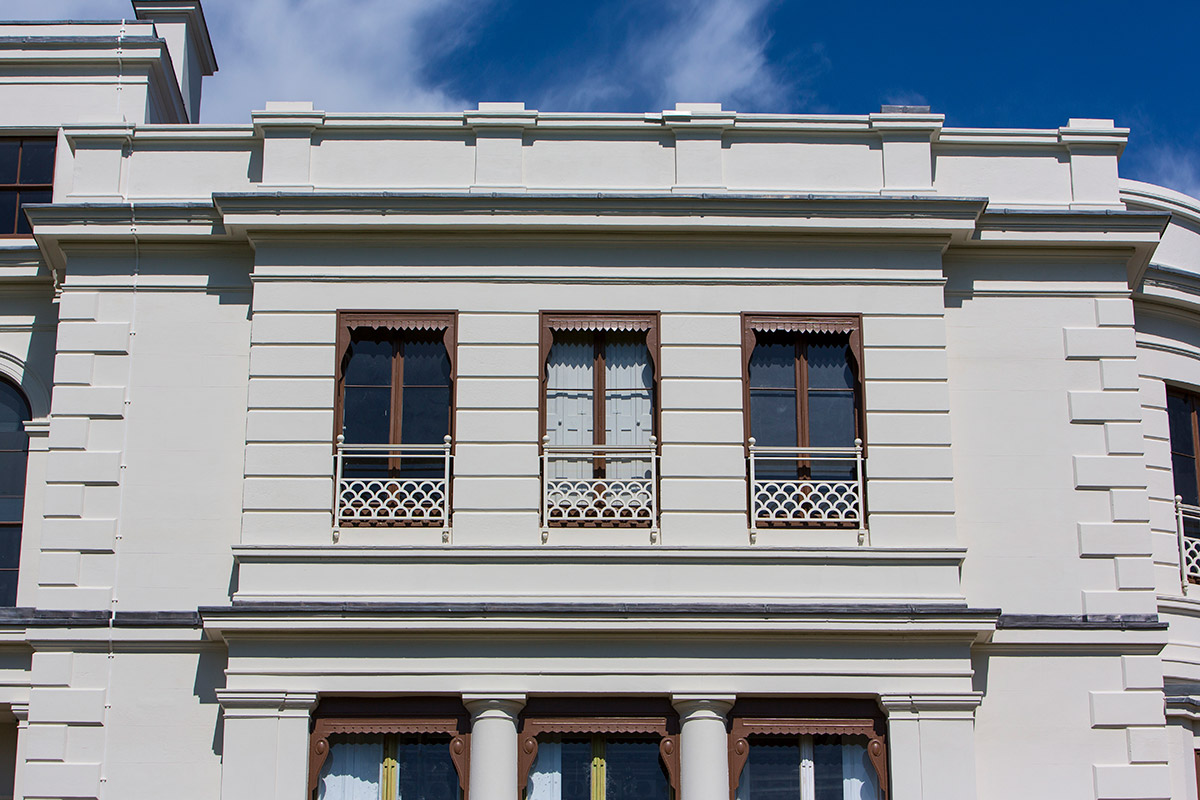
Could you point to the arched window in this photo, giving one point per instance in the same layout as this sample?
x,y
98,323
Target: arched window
x,y
14,451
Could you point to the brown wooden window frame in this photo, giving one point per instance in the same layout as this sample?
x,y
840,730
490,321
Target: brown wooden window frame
x,y
390,717
398,322
608,717
599,323
801,324
771,718
19,186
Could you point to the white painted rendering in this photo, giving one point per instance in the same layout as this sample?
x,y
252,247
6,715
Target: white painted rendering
x,y
1016,614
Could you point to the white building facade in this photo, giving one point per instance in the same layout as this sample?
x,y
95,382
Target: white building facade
x,y
507,454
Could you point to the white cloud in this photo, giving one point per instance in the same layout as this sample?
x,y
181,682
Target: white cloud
x,y
359,55
701,51
1172,166
715,50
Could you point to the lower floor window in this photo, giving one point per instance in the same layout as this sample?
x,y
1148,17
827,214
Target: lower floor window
x,y
597,768
822,767
392,767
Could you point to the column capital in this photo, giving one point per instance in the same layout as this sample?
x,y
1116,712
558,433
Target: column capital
x,y
702,705
493,705
20,710
241,703
926,706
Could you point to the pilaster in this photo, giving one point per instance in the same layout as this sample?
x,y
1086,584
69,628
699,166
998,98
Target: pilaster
x,y
494,744
1094,146
266,744
931,739
499,141
287,130
699,159
907,149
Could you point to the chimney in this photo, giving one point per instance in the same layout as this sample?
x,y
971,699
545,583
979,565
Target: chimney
x,y
181,25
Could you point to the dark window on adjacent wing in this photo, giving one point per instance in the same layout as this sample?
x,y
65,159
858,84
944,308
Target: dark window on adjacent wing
x,y
26,176
14,451
1181,413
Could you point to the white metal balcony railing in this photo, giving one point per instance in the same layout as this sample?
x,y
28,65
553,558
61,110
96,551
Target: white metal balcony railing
x,y
1187,529
392,484
807,487
600,485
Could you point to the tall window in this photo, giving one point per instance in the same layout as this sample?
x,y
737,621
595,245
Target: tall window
x,y
594,757
1185,444
803,389
396,388
26,176
14,453
359,754
799,758
599,390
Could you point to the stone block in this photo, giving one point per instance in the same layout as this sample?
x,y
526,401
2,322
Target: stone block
x,y
1104,406
73,706
93,337
1132,782
1130,505
97,467
1109,539
88,401
1142,672
1114,312
1102,472
1147,745
1135,573
1096,343
1121,438
1123,709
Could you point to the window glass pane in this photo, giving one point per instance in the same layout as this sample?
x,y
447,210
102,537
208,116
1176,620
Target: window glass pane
x,y
30,197
773,361
367,415
831,419
8,211
369,360
425,418
12,473
1179,415
569,371
13,409
773,418
829,363
8,587
10,151
633,771
827,768
11,508
1184,470
772,771
576,769
353,768
425,360
426,771
10,546
37,161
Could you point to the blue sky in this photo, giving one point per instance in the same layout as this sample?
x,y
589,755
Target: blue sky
x,y
1012,64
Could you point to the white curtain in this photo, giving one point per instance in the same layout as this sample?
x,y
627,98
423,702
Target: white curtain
x,y
353,770
628,400
569,388
545,777
859,781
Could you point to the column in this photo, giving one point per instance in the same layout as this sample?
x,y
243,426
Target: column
x,y
703,745
266,744
931,743
494,744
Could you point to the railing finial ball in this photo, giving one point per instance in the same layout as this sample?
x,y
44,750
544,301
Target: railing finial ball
x,y
752,441
446,438
858,442
341,439
546,439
